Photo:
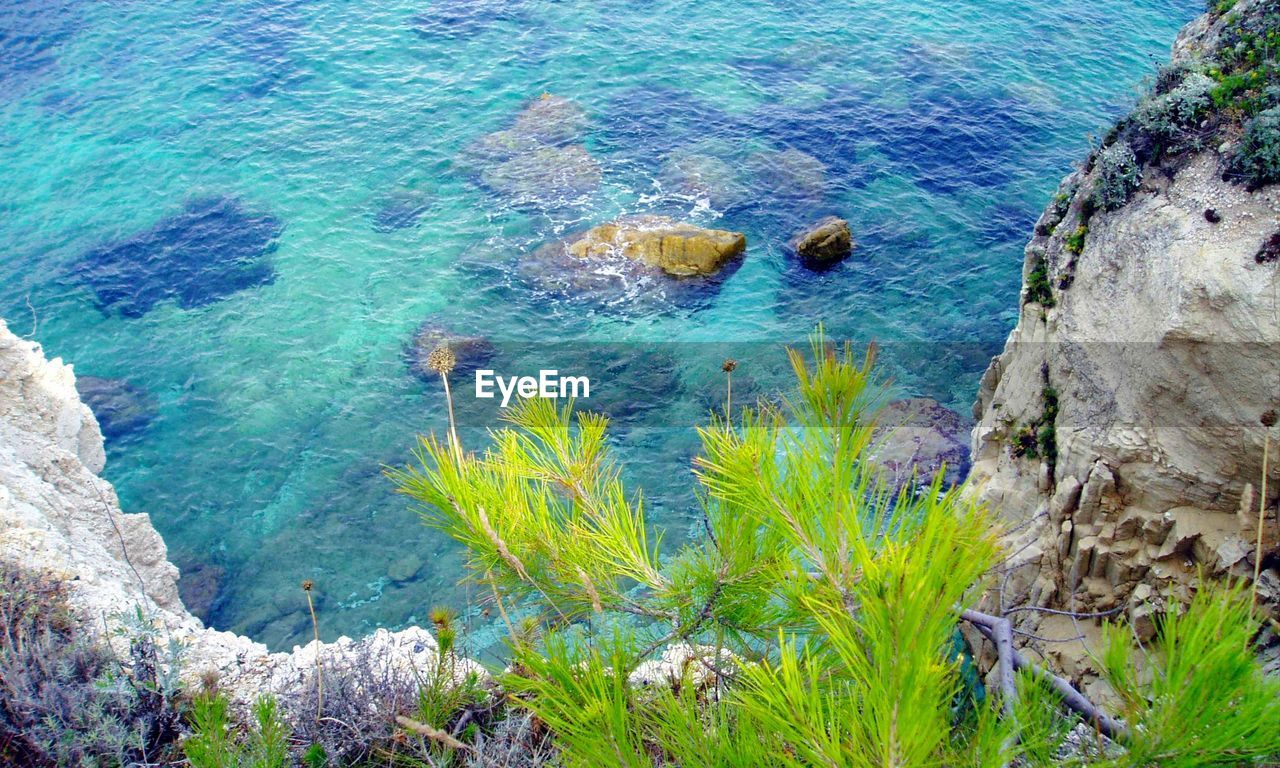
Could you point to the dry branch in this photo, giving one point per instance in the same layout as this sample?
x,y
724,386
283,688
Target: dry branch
x,y
994,629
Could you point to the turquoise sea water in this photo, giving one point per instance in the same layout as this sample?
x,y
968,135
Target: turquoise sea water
x,y
245,209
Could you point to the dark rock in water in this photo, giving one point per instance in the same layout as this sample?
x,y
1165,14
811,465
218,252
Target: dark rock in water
x,y
545,176
472,352
121,408
551,119
210,250
400,211
827,242
465,18
199,586
920,435
32,36
640,124
405,568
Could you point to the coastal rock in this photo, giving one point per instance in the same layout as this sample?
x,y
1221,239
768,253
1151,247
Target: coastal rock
x,y
823,244
472,352
922,436
1121,430
121,408
676,248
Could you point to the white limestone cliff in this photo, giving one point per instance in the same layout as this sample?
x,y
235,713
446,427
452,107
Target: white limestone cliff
x,y
57,516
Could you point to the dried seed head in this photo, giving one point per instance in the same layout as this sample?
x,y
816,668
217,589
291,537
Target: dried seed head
x,y
1268,419
442,360
308,585
729,366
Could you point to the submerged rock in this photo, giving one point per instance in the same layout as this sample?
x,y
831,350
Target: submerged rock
x,y
121,408
452,19
704,177
405,568
823,244
471,352
401,210
214,247
545,175
677,248
199,586
540,160
551,119
922,436
790,174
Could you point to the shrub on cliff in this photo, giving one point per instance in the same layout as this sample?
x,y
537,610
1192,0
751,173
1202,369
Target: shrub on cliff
x,y
1118,176
1167,116
65,700
1258,158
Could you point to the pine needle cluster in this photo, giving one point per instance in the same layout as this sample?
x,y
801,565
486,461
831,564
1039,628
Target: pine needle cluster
x,y
817,617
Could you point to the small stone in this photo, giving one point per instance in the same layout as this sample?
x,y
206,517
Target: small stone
x,y
1212,216
405,568
827,242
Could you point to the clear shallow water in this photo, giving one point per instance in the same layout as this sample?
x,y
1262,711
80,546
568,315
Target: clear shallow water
x,y
246,209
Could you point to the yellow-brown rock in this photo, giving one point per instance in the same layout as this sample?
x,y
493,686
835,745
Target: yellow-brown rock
x,y
676,248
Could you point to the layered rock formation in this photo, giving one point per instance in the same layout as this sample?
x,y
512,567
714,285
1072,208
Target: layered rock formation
x,y
58,516
1122,431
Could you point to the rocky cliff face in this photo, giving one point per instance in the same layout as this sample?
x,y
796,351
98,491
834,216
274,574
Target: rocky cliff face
x,y
58,516
1121,432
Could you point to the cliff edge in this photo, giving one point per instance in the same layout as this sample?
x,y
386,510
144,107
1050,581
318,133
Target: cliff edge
x,y
57,516
1121,431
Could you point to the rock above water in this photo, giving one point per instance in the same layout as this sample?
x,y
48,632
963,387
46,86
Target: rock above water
x,y
471,352
823,244
212,248
676,248
121,408
921,435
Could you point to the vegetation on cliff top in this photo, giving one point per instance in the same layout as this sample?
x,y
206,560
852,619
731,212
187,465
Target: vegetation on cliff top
x,y
814,623
816,619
